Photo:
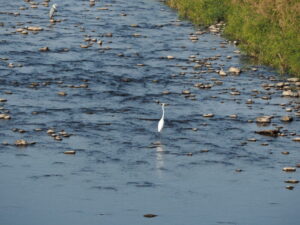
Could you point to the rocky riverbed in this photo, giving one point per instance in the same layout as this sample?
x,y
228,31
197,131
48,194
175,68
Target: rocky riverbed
x,y
79,107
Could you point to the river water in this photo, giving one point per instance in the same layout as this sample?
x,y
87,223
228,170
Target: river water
x,y
199,170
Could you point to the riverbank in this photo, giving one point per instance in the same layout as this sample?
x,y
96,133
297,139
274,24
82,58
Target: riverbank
x,y
267,30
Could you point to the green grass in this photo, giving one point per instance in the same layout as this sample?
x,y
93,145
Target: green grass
x,y
268,30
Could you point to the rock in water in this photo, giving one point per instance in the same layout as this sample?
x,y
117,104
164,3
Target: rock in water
x,y
272,133
264,119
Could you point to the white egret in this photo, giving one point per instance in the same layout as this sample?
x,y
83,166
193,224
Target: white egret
x,y
162,121
52,11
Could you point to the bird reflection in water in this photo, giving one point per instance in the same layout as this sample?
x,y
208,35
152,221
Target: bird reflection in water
x,y
159,158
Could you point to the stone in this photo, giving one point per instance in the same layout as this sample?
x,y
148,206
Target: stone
x,y
44,49
62,93
289,187
84,46
264,119
208,115
186,92
57,138
252,139
70,152
50,131
293,79
290,93
235,93
272,133
286,119
289,169
150,215
280,84
292,181
4,116
193,38
23,143
288,109
34,28
234,70
249,101
170,57
108,35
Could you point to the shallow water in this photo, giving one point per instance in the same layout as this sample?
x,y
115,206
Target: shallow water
x,y
123,168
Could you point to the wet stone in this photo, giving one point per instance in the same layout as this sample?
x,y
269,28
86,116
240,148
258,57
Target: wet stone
x,y
296,139
291,181
286,119
234,70
44,49
264,119
170,57
186,92
5,117
288,109
62,93
208,115
70,152
289,187
289,169
293,79
150,215
34,28
23,143
252,139
249,101
235,93
84,46
108,35
265,97
50,131
102,8
272,133
290,93
58,138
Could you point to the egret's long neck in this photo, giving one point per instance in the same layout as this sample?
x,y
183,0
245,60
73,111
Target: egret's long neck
x,y
163,109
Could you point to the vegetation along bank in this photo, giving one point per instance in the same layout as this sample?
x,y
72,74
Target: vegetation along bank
x,y
268,30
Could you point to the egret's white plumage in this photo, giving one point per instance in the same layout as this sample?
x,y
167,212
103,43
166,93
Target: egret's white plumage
x,y
52,11
161,121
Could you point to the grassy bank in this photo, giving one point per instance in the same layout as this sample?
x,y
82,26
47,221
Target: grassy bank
x,y
266,29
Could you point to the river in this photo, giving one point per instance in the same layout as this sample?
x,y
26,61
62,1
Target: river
x,y
96,90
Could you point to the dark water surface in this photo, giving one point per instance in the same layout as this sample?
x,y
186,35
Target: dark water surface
x,y
122,168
